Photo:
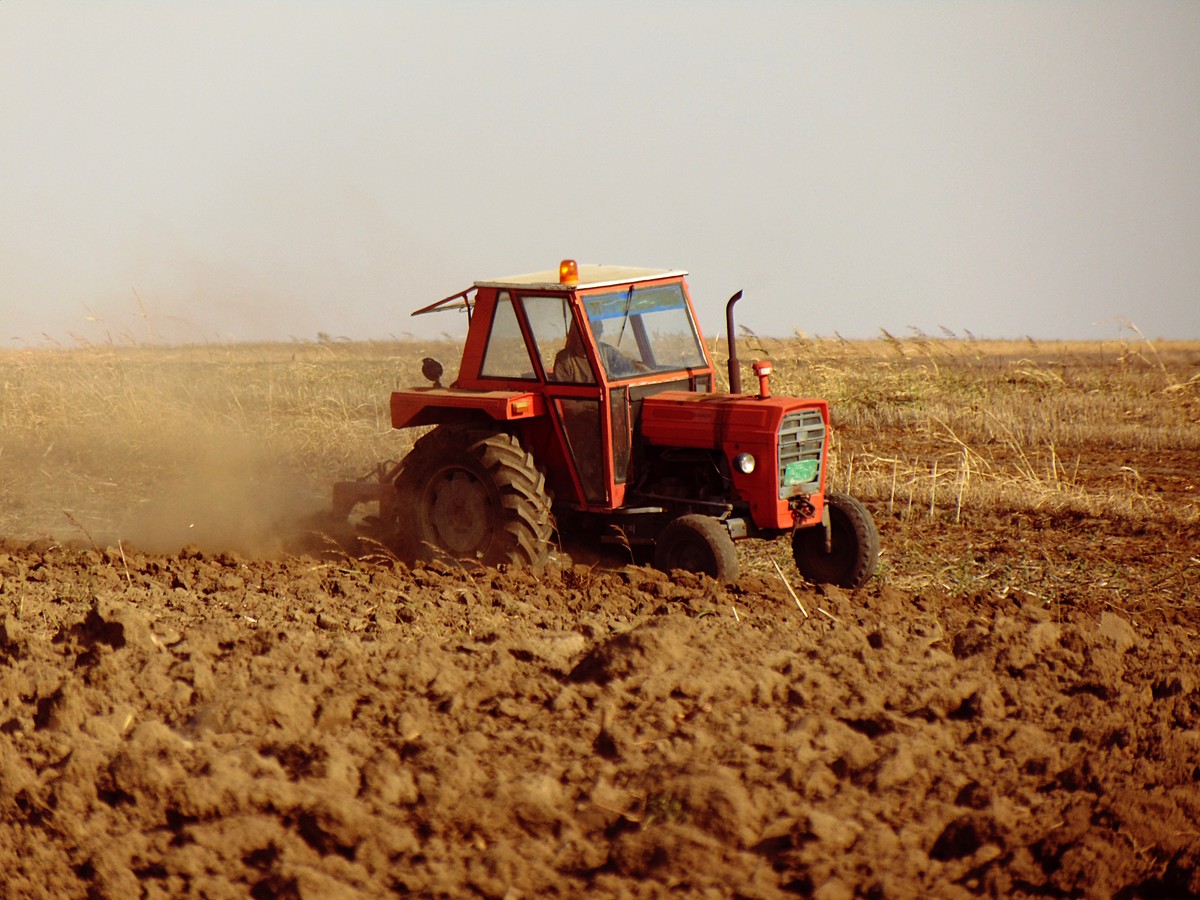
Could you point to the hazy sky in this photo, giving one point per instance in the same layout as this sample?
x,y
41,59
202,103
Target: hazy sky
x,y
257,170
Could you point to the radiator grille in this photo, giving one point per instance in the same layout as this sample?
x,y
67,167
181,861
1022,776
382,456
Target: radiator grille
x,y
801,439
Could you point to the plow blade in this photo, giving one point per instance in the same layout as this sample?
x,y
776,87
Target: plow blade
x,y
348,494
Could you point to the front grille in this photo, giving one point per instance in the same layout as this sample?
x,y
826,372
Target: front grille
x,y
801,439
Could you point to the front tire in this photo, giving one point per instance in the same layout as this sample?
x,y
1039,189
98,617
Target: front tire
x,y
854,545
697,543
475,496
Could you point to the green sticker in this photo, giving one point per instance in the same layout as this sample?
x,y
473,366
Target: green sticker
x,y
801,472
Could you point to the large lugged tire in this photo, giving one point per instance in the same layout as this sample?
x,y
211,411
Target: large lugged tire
x,y
854,545
697,543
472,495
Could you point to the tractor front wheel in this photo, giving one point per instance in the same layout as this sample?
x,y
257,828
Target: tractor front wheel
x,y
475,496
697,543
853,548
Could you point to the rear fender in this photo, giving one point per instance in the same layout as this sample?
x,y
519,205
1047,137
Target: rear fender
x,y
440,406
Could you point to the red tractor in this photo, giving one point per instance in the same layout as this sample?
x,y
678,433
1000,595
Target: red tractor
x,y
585,404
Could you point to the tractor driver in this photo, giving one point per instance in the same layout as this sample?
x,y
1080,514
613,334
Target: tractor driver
x,y
571,363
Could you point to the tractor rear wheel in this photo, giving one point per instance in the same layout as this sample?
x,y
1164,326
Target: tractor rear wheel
x,y
473,495
697,543
854,545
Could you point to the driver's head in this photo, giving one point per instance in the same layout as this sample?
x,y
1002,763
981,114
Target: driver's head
x,y
575,338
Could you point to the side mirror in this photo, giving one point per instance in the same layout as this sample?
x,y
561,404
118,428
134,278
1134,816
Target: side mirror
x,y
432,370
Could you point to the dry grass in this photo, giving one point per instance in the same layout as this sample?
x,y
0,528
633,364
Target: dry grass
x,y
930,426
943,437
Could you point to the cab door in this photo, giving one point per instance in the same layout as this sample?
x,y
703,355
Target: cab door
x,y
578,402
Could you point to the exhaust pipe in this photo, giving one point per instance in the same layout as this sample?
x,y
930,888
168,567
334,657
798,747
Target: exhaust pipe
x,y
735,371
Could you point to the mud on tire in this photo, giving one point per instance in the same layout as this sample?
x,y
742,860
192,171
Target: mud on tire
x,y
472,495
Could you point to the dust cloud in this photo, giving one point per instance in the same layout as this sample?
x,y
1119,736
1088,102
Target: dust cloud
x,y
231,448
231,494
220,491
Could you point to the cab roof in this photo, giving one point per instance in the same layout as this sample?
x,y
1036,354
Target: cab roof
x,y
589,276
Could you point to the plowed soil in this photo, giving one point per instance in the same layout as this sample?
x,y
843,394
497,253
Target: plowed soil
x,y
1011,709
211,725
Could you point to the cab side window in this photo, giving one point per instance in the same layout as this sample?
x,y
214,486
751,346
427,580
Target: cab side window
x,y
506,355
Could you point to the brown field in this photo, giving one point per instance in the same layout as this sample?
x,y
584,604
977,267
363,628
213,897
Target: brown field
x,y
190,706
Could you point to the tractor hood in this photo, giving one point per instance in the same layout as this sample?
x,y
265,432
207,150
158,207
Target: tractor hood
x,y
786,436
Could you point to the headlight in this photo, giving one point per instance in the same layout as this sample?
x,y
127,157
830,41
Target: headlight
x,y
744,463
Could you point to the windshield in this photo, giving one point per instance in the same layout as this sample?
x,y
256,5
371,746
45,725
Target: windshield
x,y
650,326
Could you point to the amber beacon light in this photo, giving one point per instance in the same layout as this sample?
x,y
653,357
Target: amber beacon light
x,y
568,272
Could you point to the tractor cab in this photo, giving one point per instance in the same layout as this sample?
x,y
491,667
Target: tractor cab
x,y
591,342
